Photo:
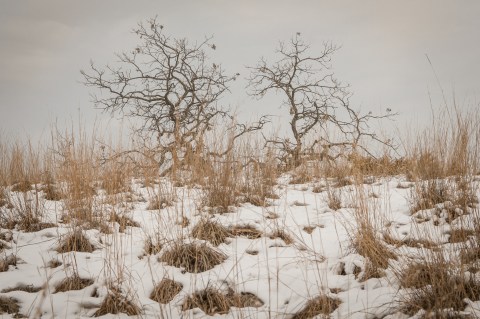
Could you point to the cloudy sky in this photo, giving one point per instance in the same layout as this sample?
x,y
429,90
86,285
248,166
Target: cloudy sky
x,y
45,44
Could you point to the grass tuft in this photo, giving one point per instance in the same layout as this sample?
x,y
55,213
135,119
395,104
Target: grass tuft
x,y
247,231
283,235
73,283
193,258
23,287
165,291
9,305
75,241
212,301
210,231
123,222
322,305
115,303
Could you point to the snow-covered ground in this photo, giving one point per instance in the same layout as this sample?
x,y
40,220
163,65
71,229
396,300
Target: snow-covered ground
x,y
284,275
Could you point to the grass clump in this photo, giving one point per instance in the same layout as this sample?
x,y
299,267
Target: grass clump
x,y
9,305
247,231
365,241
193,258
283,235
321,305
210,231
75,241
212,301
334,199
123,221
115,302
436,285
430,193
165,291
73,283
152,246
23,287
22,186
7,261
160,201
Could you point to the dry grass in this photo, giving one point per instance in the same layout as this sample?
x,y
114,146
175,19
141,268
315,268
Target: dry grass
x,y
193,258
247,231
368,245
123,221
435,286
165,291
221,190
26,212
54,263
161,200
7,261
9,305
75,241
334,199
212,301
410,242
283,235
210,231
430,193
73,283
459,235
153,246
115,302
322,305
23,287
365,241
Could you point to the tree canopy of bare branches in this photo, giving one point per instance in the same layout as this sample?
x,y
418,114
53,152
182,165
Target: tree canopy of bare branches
x,y
318,103
170,86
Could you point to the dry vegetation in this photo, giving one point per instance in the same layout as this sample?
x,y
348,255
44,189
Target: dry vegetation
x,y
94,187
194,257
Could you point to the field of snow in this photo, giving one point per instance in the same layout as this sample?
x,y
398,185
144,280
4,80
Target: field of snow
x,y
277,257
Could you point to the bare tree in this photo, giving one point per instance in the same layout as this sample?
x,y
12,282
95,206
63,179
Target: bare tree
x,y
170,86
318,103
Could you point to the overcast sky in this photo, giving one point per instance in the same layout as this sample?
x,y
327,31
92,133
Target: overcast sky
x,y
44,44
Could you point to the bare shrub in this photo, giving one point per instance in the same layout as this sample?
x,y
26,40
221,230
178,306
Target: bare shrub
x,y
321,305
166,290
193,258
210,231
